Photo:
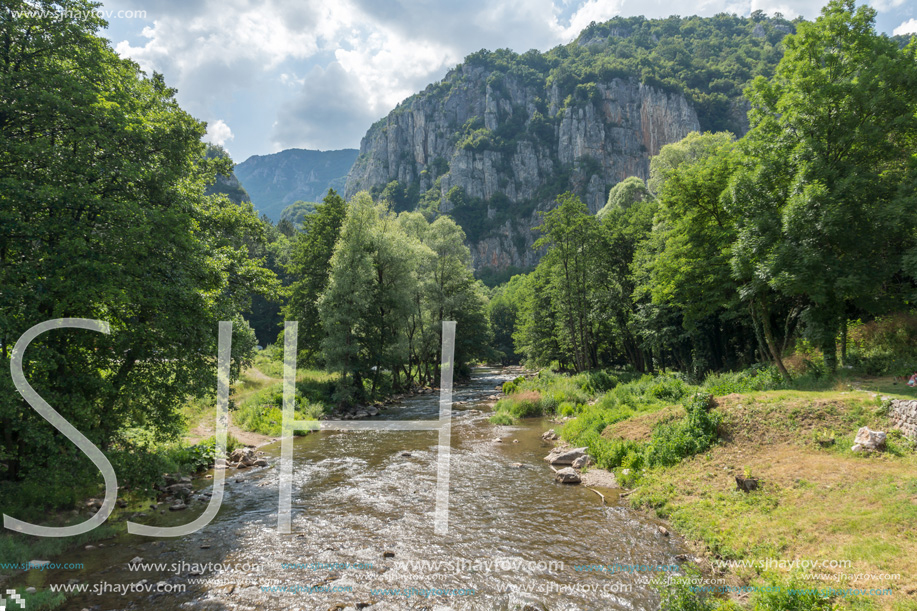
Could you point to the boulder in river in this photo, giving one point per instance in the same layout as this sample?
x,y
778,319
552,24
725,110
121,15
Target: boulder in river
x,y
549,435
565,456
179,506
567,475
868,440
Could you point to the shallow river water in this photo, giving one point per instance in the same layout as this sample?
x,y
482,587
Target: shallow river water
x,y
363,530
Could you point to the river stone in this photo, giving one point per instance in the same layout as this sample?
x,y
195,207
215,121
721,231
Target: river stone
x,y
567,475
361,414
549,435
868,440
30,590
179,506
260,463
372,411
565,456
582,461
136,560
180,490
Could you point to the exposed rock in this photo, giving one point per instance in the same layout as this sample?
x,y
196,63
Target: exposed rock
x,y
136,560
179,506
582,462
868,440
663,531
260,463
594,142
567,475
183,491
388,554
30,590
599,478
565,456
903,415
549,435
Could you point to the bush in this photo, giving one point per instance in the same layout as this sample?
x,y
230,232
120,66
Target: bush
x,y
692,435
886,345
749,380
502,418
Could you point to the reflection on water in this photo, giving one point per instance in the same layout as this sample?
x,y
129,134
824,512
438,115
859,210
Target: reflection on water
x,y
367,499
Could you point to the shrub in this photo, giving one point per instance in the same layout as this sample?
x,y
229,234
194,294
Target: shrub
x,y
502,418
749,380
886,345
694,434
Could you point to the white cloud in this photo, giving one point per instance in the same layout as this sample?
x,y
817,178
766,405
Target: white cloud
x,y
235,58
884,5
330,111
908,27
218,133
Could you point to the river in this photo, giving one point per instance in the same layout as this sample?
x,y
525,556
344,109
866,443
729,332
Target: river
x,y
363,506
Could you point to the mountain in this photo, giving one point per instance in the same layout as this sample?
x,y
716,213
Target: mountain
x,y
503,133
278,180
227,185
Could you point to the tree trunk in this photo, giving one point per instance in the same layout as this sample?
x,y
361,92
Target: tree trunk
x,y
844,341
769,338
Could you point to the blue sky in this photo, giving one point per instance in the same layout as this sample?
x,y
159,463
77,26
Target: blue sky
x,y
268,75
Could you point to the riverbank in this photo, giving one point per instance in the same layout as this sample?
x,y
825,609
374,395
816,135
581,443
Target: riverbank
x,y
822,517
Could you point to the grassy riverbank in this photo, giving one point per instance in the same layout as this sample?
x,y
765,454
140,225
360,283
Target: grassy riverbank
x,y
679,447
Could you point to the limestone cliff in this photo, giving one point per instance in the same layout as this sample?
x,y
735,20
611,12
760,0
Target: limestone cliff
x,y
502,134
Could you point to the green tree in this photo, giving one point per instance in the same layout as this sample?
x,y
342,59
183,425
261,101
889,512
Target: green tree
x,y
368,298
824,202
625,194
308,266
572,237
103,214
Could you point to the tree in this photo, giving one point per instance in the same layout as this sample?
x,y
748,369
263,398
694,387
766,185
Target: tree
x,y
571,234
103,215
625,194
823,200
368,298
309,265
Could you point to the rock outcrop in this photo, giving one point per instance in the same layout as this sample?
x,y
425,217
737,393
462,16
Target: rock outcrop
x,y
495,149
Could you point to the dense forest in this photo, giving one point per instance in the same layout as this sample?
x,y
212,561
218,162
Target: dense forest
x,y
758,249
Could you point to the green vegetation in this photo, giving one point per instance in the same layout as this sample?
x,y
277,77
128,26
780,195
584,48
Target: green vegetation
x,y
296,213
104,214
789,248
393,280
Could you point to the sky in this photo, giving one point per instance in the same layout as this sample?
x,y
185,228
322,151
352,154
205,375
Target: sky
x,y
268,75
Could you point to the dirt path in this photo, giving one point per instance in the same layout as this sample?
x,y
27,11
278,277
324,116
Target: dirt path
x,y
207,426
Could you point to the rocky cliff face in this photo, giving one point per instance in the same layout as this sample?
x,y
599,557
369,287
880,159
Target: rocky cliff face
x,y
495,150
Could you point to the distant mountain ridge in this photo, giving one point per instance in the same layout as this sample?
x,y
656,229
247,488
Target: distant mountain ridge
x,y
275,181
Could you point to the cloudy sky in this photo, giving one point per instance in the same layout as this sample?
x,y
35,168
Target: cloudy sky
x,y
268,75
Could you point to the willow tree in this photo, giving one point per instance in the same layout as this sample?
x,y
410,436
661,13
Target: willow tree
x,y
367,301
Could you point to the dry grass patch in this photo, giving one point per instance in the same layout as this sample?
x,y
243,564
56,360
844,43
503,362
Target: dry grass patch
x,y
815,503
